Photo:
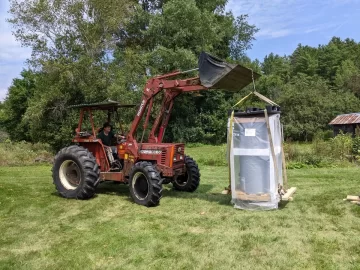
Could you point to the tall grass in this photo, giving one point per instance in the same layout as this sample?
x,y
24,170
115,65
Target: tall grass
x,y
24,153
322,152
341,150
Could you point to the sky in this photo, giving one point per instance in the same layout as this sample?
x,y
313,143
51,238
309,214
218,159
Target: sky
x,y
12,55
283,25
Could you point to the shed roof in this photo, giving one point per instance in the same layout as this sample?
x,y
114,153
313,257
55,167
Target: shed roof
x,y
346,119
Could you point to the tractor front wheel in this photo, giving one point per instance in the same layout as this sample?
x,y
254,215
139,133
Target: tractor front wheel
x,y
191,179
75,173
145,185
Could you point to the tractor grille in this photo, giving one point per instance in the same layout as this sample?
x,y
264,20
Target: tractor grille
x,y
163,157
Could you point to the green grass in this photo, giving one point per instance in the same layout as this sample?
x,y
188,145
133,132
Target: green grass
x,y
200,230
209,155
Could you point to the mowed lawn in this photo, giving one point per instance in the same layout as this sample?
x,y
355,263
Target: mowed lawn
x,y
200,230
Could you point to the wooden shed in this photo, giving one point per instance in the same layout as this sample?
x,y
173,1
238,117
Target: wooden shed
x,y
346,122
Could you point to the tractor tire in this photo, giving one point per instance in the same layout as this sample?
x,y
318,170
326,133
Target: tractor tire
x,y
145,184
190,181
75,173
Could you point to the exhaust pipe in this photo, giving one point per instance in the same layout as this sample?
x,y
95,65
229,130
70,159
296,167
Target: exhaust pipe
x,y
215,73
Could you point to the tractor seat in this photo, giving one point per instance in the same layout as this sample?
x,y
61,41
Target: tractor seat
x,y
84,134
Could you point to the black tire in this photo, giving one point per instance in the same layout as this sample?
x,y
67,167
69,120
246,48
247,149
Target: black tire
x,y
190,181
75,173
145,184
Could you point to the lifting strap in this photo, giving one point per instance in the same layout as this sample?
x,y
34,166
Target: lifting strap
x,y
272,148
230,139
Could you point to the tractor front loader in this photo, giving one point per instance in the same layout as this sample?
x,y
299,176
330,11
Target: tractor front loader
x,y
149,163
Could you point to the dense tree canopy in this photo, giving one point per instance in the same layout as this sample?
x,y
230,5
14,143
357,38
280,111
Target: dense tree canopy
x,y
92,50
313,85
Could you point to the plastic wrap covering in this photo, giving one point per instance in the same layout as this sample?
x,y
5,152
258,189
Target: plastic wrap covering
x,y
254,180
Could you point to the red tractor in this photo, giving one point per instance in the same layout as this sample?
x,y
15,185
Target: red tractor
x,y
146,164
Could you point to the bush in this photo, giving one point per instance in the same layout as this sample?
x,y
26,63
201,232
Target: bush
x,y
3,136
356,145
291,151
193,145
323,135
312,159
24,153
295,165
322,153
320,147
341,146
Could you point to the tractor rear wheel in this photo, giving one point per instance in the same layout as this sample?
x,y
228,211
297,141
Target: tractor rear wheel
x,y
191,179
145,185
75,173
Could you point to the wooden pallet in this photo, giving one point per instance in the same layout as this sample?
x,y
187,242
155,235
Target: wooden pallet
x,y
253,197
262,197
288,195
353,199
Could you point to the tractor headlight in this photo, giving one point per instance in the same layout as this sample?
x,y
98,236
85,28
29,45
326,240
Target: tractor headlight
x,y
181,157
174,159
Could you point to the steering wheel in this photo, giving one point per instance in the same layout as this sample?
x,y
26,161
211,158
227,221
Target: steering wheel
x,y
120,138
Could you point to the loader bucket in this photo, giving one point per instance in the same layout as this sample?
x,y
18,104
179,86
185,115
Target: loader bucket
x,y
216,73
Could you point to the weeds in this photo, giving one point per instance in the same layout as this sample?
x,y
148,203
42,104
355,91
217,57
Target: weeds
x,y
321,153
23,153
341,146
3,136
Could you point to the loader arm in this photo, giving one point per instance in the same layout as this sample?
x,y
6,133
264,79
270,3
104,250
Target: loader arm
x,y
172,89
214,73
163,117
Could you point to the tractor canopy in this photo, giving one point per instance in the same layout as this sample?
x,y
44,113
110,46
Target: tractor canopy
x,y
217,74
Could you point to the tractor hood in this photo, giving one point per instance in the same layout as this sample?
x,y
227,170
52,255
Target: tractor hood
x,y
218,74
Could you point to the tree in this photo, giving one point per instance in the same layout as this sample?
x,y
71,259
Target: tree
x,y
304,60
348,77
277,65
90,50
67,29
70,43
169,35
308,105
16,104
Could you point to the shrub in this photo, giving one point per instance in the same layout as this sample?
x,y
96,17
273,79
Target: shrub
x,y
23,153
356,145
291,151
312,159
341,146
328,134
321,153
321,147
3,136
193,145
